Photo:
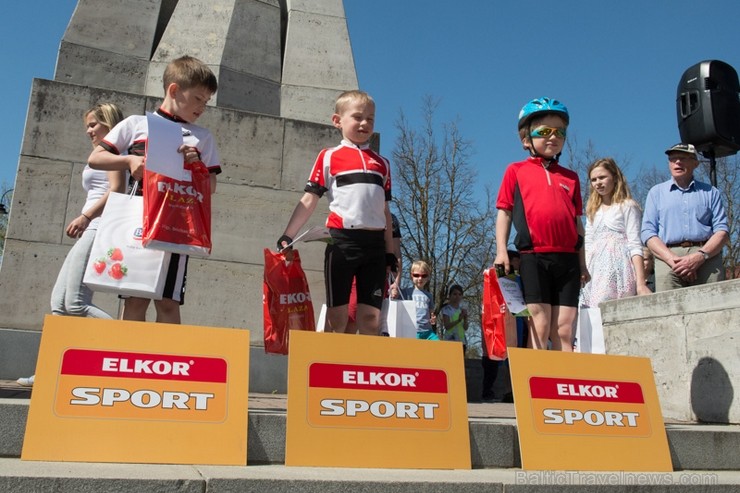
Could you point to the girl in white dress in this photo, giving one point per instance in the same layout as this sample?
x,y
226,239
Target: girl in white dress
x,y
613,247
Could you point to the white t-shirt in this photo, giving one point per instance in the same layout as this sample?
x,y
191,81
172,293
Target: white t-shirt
x,y
95,183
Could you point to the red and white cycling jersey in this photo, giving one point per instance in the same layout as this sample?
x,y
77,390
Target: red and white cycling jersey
x,y
357,182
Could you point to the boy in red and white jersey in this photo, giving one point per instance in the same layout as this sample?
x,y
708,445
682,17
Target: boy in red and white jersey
x,y
357,182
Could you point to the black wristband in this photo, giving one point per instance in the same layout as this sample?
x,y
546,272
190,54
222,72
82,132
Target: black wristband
x,y
285,238
391,261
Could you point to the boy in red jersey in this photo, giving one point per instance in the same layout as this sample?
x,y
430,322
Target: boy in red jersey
x,y
357,182
543,200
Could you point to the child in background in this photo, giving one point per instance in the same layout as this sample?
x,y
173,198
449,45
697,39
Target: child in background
x,y
188,86
357,182
423,299
614,253
455,317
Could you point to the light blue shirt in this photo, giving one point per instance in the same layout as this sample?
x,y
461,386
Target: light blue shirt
x,y
674,214
424,303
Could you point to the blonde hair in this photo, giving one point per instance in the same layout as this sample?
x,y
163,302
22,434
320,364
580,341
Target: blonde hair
x,y
109,114
349,96
422,266
621,191
188,72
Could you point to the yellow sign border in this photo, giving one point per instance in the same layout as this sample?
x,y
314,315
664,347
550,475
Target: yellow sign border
x,y
598,447
350,445
98,438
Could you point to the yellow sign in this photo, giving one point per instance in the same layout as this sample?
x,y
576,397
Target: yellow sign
x,y
358,401
587,412
115,391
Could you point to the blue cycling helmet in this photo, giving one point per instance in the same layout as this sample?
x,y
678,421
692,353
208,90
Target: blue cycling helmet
x,y
542,106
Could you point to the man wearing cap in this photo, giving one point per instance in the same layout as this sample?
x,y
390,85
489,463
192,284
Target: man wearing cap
x,y
685,225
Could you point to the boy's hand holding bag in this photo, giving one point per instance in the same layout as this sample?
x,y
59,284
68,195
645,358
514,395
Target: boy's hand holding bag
x,y
286,300
499,326
177,213
177,194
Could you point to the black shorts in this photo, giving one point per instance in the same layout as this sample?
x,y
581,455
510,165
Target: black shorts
x,y
355,254
177,275
551,278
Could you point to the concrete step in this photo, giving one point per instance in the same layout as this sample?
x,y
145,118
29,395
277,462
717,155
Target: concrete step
x,y
9,389
21,476
493,437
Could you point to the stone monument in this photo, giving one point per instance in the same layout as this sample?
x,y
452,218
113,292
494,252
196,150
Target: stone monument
x,y
280,64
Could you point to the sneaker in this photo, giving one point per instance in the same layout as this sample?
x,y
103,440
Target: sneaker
x,y
26,381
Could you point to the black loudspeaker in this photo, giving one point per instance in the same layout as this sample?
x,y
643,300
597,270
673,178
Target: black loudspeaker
x,y
708,108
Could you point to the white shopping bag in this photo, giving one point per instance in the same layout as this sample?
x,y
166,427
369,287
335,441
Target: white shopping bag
x,y
590,332
118,263
398,318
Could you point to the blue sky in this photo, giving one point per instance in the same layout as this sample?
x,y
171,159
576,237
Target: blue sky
x,y
616,65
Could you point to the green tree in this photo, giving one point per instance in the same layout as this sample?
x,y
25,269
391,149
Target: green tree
x,y
442,220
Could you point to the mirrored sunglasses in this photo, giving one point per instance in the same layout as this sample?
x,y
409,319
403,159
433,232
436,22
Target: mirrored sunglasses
x,y
545,131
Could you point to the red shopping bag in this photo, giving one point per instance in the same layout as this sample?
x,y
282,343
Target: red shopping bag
x,y
286,300
497,321
177,214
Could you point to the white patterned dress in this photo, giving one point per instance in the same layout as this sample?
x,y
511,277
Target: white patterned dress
x,y
612,239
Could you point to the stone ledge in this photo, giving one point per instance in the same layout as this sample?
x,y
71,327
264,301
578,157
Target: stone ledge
x,y
21,476
690,336
494,442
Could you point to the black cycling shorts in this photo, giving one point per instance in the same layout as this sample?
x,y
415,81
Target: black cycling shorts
x,y
551,278
355,254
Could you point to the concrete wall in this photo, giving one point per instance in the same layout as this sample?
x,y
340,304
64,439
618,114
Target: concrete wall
x,y
265,161
692,336
107,54
240,41
108,43
315,67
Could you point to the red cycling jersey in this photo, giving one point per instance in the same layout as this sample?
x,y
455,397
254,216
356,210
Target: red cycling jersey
x,y
545,202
